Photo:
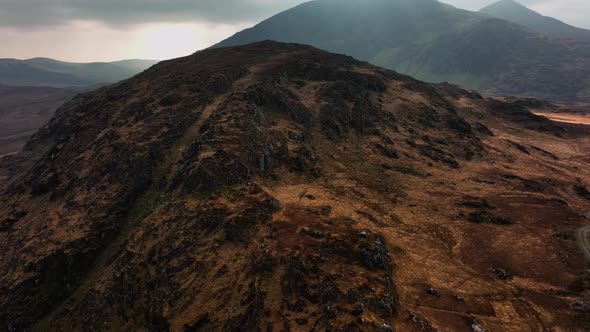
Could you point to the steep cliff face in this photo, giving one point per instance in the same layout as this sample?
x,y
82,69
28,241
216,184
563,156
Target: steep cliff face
x,y
279,187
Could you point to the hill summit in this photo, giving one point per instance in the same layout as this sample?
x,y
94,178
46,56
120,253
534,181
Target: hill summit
x,y
279,187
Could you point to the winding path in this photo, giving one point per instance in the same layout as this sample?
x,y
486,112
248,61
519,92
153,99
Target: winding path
x,y
6,155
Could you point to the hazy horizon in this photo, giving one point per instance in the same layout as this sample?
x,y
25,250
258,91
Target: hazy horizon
x,y
77,31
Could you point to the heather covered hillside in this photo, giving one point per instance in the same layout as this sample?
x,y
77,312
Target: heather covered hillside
x,y
280,187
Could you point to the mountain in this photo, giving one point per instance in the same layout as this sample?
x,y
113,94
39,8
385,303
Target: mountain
x,y
513,11
280,187
25,109
53,73
436,42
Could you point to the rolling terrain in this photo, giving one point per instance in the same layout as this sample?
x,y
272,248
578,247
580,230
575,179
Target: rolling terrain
x,y
279,187
436,42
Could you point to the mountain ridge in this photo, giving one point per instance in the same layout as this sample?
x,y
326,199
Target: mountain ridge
x,y
515,12
521,63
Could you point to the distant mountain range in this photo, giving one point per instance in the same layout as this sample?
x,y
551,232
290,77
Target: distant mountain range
x,y
513,11
53,73
437,42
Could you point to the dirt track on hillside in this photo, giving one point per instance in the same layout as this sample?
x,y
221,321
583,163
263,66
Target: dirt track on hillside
x,y
567,118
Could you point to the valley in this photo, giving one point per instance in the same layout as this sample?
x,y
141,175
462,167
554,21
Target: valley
x,y
25,109
31,90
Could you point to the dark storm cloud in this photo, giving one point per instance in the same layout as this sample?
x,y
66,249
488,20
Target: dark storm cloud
x,y
35,14
40,13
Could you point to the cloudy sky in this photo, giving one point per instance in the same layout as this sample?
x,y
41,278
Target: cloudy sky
x,y
105,30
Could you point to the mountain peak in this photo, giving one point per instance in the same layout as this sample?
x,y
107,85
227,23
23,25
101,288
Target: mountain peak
x,y
436,42
508,5
510,2
515,12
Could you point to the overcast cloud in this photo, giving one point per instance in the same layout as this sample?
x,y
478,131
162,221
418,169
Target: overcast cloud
x,y
71,29
42,13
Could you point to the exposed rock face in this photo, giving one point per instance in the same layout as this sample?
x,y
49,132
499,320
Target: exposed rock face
x,y
279,187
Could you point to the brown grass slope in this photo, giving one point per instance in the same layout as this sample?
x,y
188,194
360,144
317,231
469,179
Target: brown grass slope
x,y
277,187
